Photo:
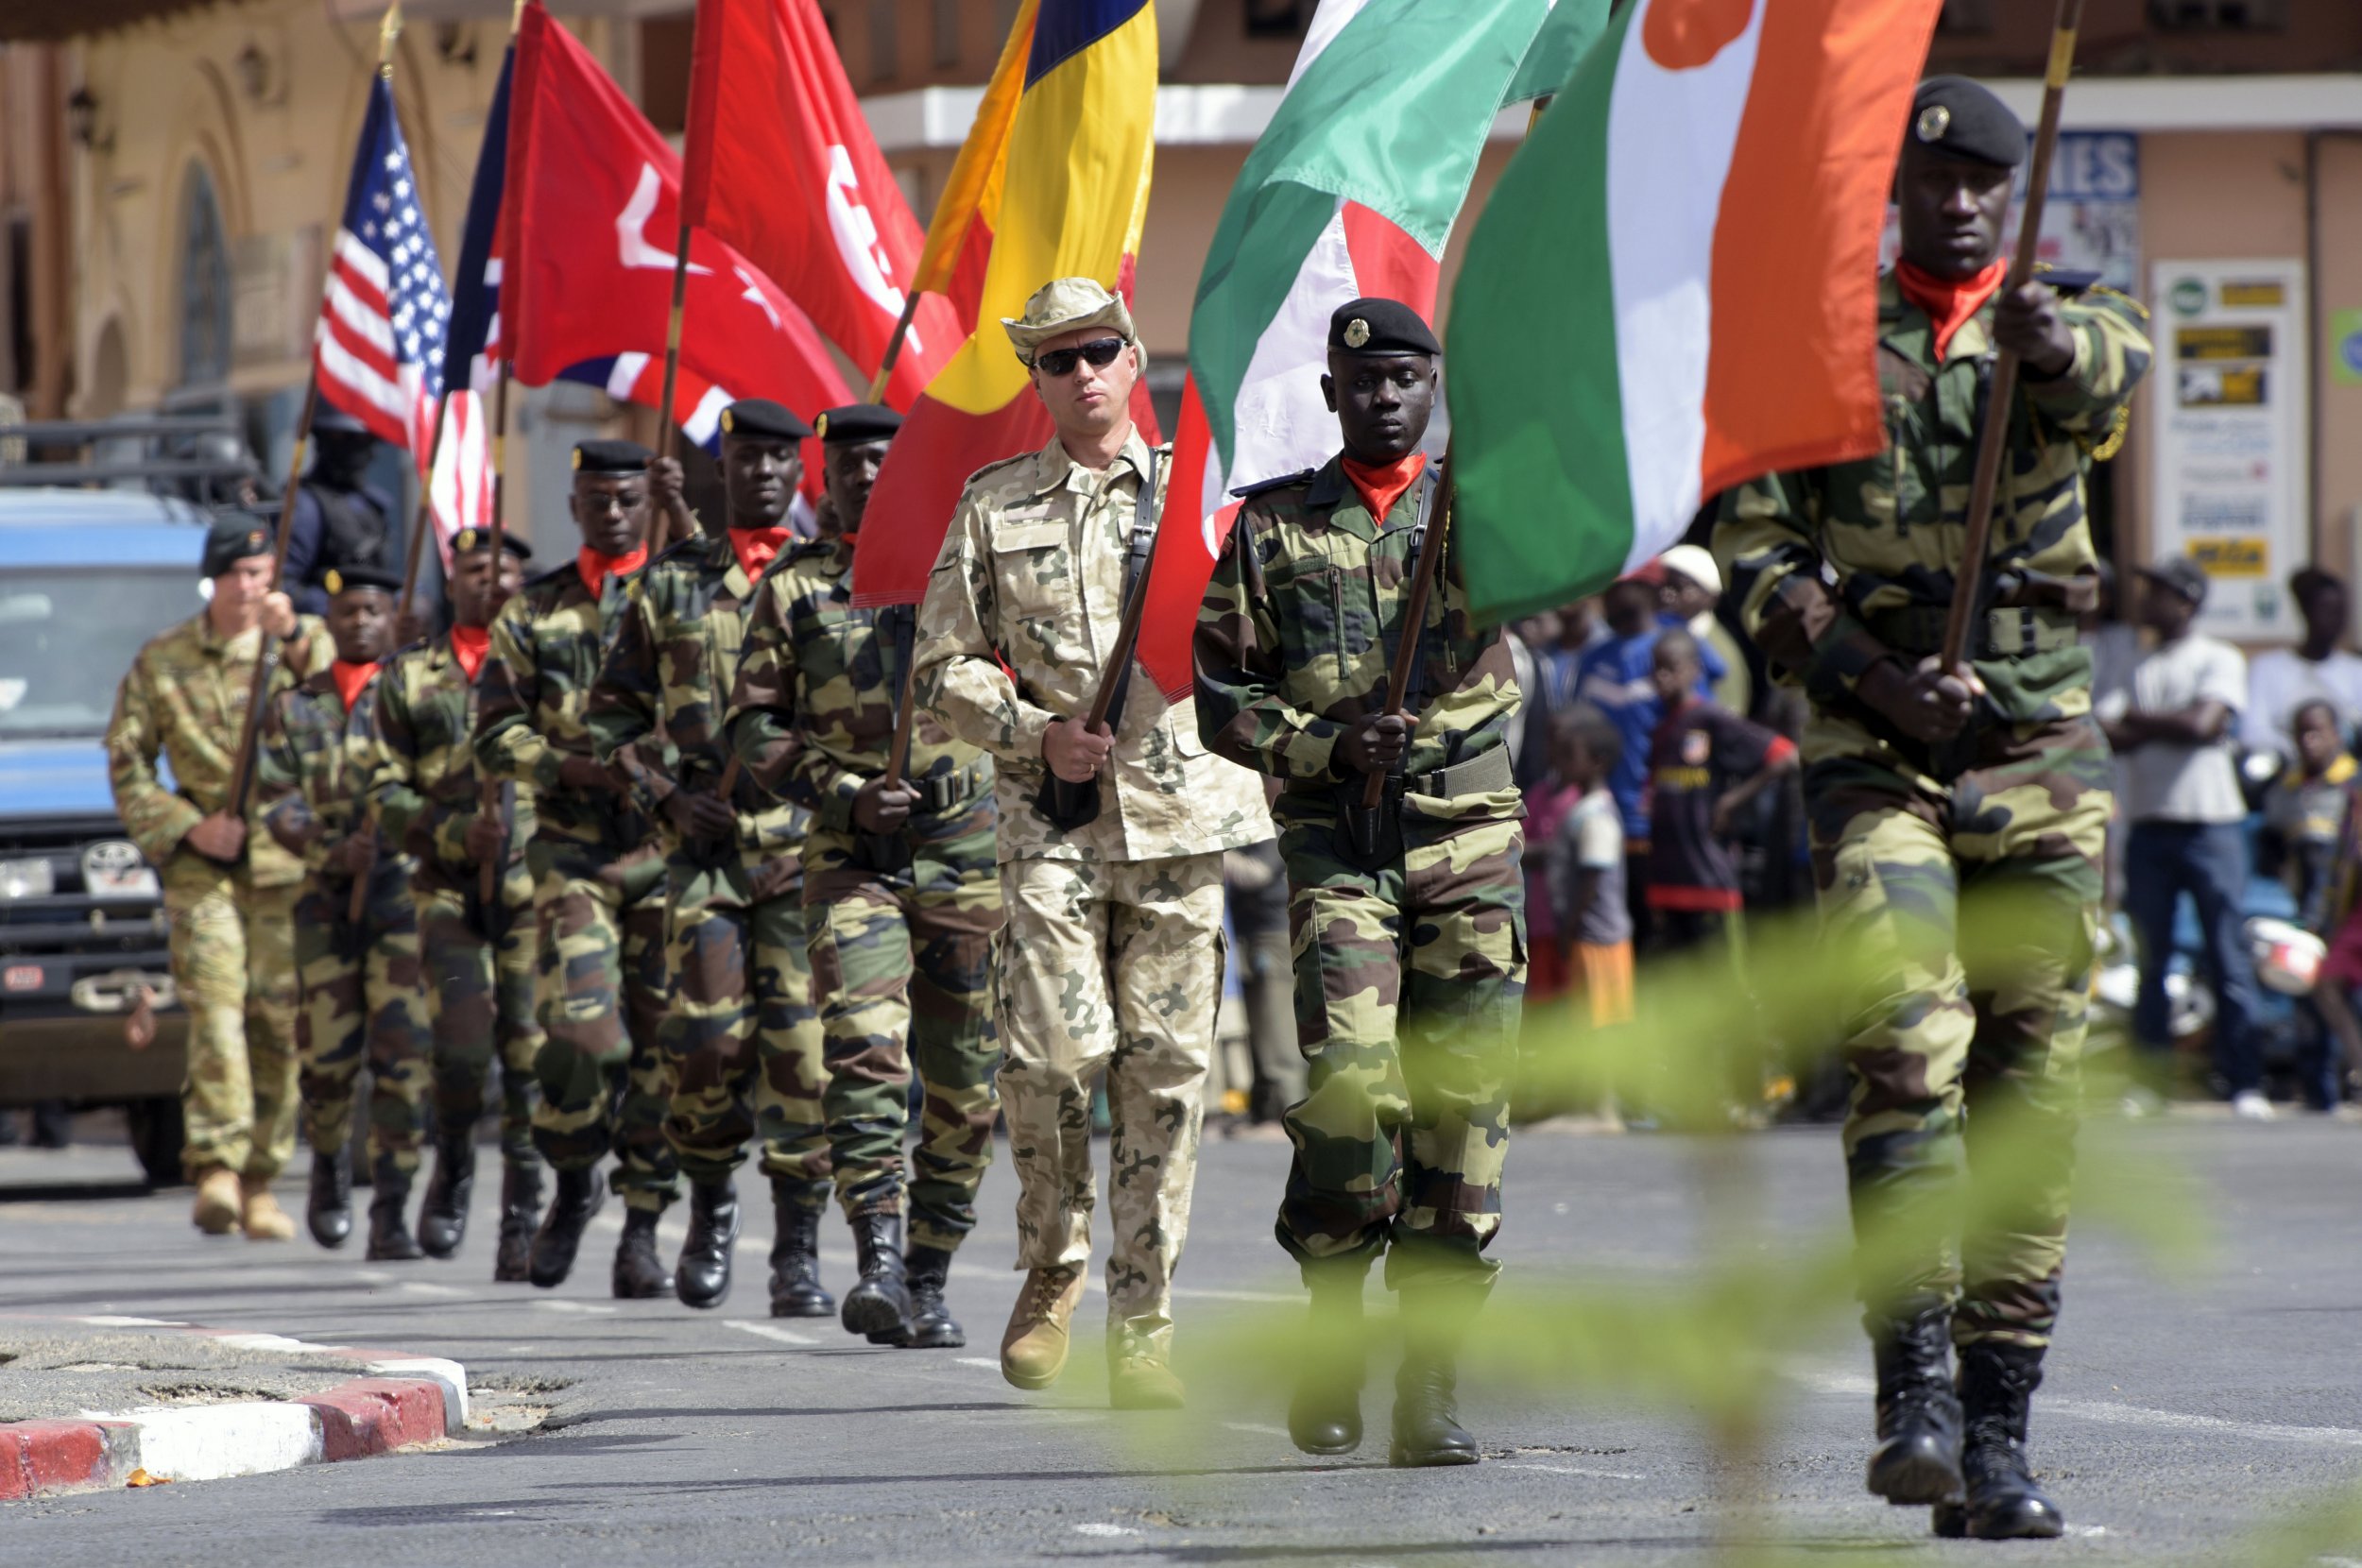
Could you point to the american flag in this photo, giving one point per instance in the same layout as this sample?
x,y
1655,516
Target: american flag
x,y
379,348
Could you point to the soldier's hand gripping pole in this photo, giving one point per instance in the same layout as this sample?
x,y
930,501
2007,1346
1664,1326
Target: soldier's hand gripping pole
x,y
1068,804
1365,825
1991,441
242,775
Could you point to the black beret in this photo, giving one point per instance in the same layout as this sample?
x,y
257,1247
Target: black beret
x,y
468,540
611,457
338,579
857,424
1961,118
1381,326
763,418
234,537
328,419
2181,575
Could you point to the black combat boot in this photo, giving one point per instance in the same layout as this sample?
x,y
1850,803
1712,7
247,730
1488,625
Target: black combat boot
x,y
391,1241
520,1206
579,1194
932,1325
327,1208
1998,1384
1325,1417
1435,1319
443,1217
639,1274
796,1207
702,1278
1918,1456
880,1304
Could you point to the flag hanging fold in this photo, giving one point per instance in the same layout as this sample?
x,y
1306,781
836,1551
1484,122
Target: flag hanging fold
x,y
779,165
1072,193
1351,190
587,250
1673,287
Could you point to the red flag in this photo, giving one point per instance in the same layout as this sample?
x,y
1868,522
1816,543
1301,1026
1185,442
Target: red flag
x,y
588,250
781,165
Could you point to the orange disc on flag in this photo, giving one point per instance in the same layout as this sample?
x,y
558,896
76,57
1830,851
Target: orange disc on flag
x,y
1682,35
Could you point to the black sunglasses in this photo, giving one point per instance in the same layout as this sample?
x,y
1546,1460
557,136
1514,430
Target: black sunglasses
x,y
1101,352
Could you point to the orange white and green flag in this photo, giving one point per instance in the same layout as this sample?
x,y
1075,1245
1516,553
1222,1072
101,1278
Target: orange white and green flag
x,y
1052,183
1674,288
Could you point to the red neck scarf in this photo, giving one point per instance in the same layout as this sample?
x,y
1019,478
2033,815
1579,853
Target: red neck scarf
x,y
1380,485
596,568
1949,304
350,678
468,644
757,548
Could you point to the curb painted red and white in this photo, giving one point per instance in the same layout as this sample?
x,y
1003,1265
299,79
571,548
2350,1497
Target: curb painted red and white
x,y
402,1400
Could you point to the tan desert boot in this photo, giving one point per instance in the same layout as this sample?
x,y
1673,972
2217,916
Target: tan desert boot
x,y
264,1219
1032,1350
1143,1380
218,1201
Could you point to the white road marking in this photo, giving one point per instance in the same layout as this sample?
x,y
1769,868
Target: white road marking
x,y
108,1320
596,1309
427,1288
1104,1529
1570,1470
984,1361
1256,1426
2114,1414
784,1335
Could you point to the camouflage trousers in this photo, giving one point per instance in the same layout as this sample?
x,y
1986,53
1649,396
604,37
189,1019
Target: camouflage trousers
x,y
601,991
363,1005
233,949
479,1006
902,962
1113,966
1965,1066
1409,979
742,1039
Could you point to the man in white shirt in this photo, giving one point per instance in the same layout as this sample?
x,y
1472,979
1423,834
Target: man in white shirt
x,y
2181,783
2315,670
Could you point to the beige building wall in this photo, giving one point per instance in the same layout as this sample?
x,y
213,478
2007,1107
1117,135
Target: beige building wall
x,y
2338,411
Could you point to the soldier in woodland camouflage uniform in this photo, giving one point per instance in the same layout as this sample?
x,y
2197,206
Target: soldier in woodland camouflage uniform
x,y
478,958
361,1001
1113,954
1926,792
598,880
229,890
902,896
742,1038
1410,940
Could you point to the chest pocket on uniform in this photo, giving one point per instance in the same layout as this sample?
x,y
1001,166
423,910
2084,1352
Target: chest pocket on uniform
x,y
1033,573
1307,605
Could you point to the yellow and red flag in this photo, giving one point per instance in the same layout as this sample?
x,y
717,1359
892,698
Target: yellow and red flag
x,y
1052,183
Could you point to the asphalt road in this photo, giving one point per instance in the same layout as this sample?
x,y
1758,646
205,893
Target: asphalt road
x,y
2189,1407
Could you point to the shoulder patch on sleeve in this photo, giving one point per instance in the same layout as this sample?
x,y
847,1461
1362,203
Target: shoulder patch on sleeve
x,y
1245,492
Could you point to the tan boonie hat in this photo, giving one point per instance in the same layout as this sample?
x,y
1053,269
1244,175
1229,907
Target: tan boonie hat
x,y
1065,305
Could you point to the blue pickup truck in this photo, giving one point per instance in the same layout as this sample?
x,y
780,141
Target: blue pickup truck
x,y
86,577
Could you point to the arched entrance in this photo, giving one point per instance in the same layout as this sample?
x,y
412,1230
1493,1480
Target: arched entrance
x,y
204,283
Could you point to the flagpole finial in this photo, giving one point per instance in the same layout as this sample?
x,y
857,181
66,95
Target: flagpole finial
x,y
516,17
389,30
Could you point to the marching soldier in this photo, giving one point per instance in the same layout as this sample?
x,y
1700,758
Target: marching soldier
x,y
902,894
740,1040
229,893
359,982
598,880
1113,885
1410,930
1923,788
478,957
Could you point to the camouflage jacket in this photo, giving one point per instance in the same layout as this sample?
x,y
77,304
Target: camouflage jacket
x,y
423,781
1296,639
311,771
533,701
1833,568
813,712
185,699
656,714
1031,573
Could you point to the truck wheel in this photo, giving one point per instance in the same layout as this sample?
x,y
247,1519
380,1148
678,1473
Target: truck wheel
x,y
156,1134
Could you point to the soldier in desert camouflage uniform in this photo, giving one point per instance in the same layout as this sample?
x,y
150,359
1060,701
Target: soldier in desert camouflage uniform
x,y
1927,793
229,890
902,896
1113,954
478,958
1410,943
361,997
598,879
742,1039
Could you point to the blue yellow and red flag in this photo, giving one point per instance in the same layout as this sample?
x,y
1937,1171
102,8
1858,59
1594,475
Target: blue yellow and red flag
x,y
1052,183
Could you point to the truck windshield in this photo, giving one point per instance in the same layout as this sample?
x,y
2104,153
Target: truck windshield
x,y
68,635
